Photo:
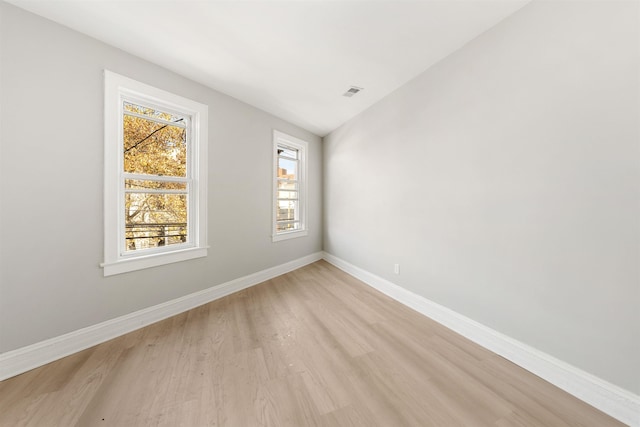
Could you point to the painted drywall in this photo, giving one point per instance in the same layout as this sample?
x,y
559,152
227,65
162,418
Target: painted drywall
x,y
51,186
505,182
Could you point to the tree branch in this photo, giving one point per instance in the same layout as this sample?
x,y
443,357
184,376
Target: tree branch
x,y
126,150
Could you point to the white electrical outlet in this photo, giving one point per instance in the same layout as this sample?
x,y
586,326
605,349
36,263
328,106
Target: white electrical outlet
x,y
396,268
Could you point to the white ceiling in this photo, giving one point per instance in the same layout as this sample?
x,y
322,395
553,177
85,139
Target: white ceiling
x,y
293,59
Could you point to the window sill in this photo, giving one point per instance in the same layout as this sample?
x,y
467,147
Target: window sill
x,y
289,235
154,260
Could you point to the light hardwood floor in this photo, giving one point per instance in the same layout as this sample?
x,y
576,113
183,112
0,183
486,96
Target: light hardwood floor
x,y
314,347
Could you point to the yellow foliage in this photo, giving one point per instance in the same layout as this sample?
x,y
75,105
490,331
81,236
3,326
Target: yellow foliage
x,y
157,150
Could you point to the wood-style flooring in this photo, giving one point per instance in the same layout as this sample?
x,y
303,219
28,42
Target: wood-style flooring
x,y
314,347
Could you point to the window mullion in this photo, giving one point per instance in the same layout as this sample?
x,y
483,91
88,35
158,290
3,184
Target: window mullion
x,y
153,191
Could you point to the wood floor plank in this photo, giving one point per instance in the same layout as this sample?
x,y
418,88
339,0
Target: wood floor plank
x,y
314,347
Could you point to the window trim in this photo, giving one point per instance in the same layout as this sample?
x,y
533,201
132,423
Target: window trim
x,y
117,89
281,138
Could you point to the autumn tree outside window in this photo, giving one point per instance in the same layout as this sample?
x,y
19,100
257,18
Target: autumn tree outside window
x,y
155,176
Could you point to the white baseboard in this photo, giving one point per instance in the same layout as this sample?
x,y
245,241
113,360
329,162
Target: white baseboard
x,y
609,398
26,358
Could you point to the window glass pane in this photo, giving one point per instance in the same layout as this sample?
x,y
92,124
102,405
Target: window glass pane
x,y
154,220
154,148
136,184
286,210
287,195
287,168
289,226
287,185
287,152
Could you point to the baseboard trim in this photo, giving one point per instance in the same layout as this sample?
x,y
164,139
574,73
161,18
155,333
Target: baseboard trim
x,y
609,398
24,359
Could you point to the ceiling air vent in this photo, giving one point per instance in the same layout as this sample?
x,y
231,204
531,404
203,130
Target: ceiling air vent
x,y
352,91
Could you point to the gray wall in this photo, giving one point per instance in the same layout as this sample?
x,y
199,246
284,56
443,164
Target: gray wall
x,y
51,185
505,181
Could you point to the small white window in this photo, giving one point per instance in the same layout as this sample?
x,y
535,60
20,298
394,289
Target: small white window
x,y
155,176
289,187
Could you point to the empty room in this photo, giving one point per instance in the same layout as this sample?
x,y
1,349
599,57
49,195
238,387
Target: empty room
x,y
320,213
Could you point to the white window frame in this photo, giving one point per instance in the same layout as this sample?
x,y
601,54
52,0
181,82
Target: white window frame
x,y
117,260
281,138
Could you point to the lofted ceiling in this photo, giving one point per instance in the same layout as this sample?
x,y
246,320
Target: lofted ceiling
x,y
294,59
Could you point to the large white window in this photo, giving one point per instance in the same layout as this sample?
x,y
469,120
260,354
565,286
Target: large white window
x,y
289,186
155,176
